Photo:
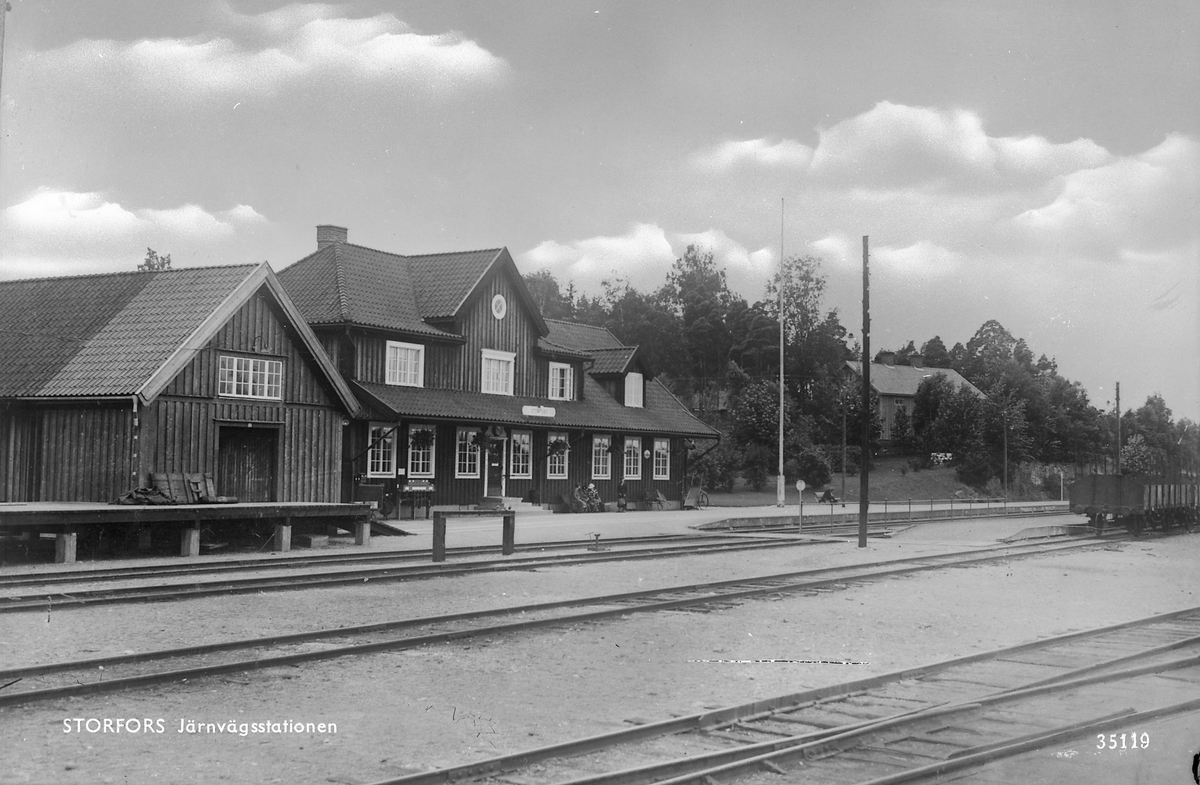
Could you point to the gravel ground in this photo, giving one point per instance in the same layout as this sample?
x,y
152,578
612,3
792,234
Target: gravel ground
x,y
442,705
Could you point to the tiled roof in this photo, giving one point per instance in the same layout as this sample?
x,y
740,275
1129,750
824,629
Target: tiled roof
x,y
612,361
905,379
581,337
349,283
102,334
662,414
442,281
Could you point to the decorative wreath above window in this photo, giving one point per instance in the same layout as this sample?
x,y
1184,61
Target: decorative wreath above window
x,y
421,440
557,447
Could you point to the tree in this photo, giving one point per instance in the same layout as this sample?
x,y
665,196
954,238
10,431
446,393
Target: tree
x,y
1137,457
154,263
935,354
549,297
697,292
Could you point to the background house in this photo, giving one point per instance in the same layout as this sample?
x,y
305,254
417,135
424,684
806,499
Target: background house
x,y
108,378
897,385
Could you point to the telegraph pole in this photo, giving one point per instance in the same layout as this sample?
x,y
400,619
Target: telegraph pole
x,y
865,450
1118,427
779,483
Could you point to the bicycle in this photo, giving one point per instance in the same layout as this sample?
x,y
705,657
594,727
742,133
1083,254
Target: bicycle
x,y
696,498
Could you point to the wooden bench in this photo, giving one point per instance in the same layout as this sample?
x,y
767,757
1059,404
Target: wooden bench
x,y
508,536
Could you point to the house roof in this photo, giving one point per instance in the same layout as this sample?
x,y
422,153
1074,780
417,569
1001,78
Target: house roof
x,y
124,334
663,414
903,380
581,337
344,283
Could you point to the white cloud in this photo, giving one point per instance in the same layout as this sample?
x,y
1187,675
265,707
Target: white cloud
x,y
62,232
784,153
288,47
922,260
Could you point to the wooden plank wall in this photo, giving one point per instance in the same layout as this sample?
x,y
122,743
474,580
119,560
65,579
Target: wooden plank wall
x,y
66,453
181,429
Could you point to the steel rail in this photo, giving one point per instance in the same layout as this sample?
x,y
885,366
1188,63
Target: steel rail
x,y
276,561
750,712
761,585
95,597
843,737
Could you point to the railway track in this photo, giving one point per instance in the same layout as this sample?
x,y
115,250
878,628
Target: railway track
x,y
106,674
280,562
51,598
908,726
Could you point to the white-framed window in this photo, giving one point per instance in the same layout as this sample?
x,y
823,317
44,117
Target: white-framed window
x,y
420,457
498,372
633,458
562,382
662,459
405,364
556,463
520,459
466,454
381,450
633,389
601,457
250,377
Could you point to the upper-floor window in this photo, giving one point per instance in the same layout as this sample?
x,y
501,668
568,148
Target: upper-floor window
x,y
421,443
601,457
498,372
633,389
557,451
633,458
381,451
520,461
662,459
466,460
405,364
250,377
562,382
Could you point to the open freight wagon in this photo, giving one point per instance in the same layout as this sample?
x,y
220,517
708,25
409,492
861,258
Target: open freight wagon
x,y
1136,502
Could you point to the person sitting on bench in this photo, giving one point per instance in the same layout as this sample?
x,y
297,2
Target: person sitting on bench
x,y
828,497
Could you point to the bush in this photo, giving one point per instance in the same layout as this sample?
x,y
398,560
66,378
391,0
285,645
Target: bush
x,y
717,470
812,467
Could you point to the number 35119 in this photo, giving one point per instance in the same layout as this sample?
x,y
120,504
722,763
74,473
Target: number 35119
x,y
1124,741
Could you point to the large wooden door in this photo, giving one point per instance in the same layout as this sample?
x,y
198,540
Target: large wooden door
x,y
246,463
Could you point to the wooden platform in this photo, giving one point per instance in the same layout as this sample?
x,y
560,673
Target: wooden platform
x,y
64,519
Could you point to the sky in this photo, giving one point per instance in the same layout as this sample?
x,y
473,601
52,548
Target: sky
x,y
1032,162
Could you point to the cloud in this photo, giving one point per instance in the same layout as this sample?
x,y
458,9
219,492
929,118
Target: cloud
x,y
644,255
893,146
1133,207
784,153
60,232
290,47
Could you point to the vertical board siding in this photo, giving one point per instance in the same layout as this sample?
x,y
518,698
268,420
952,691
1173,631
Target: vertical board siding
x,y
256,329
69,453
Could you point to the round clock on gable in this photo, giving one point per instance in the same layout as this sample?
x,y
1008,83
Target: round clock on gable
x,y
499,306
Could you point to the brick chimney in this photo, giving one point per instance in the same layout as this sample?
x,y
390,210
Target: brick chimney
x,y
916,361
328,234
887,358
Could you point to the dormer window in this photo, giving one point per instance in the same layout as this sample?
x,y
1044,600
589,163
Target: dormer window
x,y
633,389
562,382
405,364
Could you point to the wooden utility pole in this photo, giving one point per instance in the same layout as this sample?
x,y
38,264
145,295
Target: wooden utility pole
x,y
865,449
779,483
1118,427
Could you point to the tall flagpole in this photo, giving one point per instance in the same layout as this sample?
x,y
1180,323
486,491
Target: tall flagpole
x,y
864,463
779,483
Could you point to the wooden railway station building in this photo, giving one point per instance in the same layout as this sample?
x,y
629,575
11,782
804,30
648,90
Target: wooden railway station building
x,y
470,392
108,379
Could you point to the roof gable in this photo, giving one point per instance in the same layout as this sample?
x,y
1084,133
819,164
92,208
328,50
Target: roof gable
x,y
350,284
129,333
102,335
904,380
